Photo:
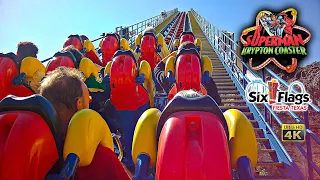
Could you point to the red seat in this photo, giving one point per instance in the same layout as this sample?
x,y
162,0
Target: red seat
x,y
65,59
187,72
148,50
29,140
8,71
74,40
126,94
105,165
110,44
193,141
187,37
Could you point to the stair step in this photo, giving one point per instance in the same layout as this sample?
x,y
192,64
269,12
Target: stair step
x,y
224,96
221,77
220,74
215,64
277,164
241,108
227,87
262,139
271,177
232,101
225,83
268,150
218,68
253,121
257,129
228,91
212,57
221,80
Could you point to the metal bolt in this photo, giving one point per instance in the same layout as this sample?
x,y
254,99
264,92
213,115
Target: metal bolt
x,y
192,124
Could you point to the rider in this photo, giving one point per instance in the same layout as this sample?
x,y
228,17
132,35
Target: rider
x,y
76,53
66,91
91,82
26,49
159,71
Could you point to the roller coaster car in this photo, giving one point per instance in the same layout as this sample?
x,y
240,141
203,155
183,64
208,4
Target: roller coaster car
x,y
65,59
109,45
193,139
84,45
89,150
75,40
128,97
188,70
187,37
30,140
10,80
148,48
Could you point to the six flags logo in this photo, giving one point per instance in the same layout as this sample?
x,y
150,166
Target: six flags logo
x,y
279,100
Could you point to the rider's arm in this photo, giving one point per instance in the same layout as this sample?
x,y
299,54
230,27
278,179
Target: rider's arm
x,y
174,53
159,72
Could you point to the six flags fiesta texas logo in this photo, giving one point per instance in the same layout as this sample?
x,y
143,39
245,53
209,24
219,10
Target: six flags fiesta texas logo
x,y
276,38
278,99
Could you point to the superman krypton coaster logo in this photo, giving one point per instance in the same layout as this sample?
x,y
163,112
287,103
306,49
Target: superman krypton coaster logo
x,y
275,38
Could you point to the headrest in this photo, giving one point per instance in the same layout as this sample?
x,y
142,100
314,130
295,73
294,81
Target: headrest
x,y
117,36
124,53
149,33
70,55
11,56
84,37
187,32
37,104
203,103
188,51
76,36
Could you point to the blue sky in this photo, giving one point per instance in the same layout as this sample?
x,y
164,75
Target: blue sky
x,y
48,23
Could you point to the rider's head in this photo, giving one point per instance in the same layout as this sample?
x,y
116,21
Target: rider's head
x,y
187,45
189,94
26,49
77,54
150,30
65,89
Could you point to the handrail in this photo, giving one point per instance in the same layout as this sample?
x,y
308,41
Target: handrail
x,y
229,57
140,26
137,28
